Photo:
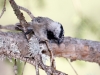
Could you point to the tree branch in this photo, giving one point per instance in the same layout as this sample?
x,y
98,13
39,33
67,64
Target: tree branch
x,y
19,15
27,11
4,9
78,49
16,46
73,48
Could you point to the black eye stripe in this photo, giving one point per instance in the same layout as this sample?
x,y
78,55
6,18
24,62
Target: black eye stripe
x,y
38,20
61,32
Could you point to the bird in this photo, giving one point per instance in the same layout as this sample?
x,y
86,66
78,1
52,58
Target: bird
x,y
45,28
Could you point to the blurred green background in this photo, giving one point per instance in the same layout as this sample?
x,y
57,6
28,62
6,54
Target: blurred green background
x,y
80,19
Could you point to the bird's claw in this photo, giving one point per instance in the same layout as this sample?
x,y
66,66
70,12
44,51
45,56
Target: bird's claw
x,y
43,40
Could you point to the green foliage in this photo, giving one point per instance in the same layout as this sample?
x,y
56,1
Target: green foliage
x,y
87,25
1,3
20,65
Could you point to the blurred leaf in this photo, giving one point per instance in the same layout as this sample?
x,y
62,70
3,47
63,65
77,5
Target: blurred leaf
x,y
20,65
1,3
40,3
86,24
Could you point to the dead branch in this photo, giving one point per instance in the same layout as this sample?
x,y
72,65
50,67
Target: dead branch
x,y
19,15
52,60
4,9
37,65
72,66
73,48
27,11
18,49
78,49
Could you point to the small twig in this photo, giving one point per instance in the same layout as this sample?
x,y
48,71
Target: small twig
x,y
72,67
8,27
52,61
50,70
4,9
27,11
43,66
37,64
19,15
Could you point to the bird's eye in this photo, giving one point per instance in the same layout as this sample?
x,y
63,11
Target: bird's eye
x,y
39,19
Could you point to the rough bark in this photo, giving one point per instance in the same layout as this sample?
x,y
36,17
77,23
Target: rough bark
x,y
73,48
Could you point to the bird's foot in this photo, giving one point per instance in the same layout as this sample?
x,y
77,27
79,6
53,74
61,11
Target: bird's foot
x,y
18,27
42,40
